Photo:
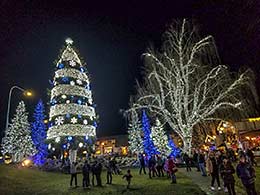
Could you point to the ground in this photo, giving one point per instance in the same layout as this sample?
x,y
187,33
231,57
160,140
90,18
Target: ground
x,y
28,181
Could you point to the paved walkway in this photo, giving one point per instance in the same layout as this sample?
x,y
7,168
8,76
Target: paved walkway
x,y
202,182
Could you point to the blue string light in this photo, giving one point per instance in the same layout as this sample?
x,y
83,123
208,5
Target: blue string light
x,y
60,66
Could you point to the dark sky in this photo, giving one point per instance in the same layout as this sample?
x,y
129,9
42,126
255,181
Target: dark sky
x,y
111,37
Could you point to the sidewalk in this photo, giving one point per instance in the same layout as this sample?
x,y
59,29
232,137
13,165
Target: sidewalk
x,y
202,182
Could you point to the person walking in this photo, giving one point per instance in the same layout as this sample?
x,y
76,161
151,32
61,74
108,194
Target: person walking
x,y
201,163
226,172
213,169
128,176
142,164
73,173
246,173
85,172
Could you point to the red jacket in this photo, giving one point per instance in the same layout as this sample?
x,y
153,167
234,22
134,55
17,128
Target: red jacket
x,y
171,165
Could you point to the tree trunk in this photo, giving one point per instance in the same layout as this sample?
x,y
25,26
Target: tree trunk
x,y
187,145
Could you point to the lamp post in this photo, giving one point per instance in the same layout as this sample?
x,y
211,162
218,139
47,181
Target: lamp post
x,y
26,93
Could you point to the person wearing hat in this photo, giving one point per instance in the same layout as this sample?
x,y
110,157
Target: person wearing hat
x,y
246,173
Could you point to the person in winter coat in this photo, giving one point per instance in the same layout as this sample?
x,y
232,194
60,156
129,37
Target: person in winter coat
x,y
226,172
85,172
151,165
98,169
73,173
201,162
187,160
159,166
109,172
142,164
213,169
246,173
172,169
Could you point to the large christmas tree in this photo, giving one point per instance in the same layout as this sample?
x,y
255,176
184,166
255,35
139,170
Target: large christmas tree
x,y
148,144
39,134
160,139
72,113
135,134
17,141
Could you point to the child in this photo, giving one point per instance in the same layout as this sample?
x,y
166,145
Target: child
x,y
128,177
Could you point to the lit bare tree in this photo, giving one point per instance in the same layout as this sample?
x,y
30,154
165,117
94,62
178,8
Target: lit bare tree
x,y
184,83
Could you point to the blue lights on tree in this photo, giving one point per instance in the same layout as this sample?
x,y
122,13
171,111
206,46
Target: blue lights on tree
x,y
82,69
39,134
79,101
175,150
69,138
149,147
65,79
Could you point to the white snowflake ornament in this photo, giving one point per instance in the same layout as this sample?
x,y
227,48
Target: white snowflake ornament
x,y
72,83
79,82
67,101
63,96
57,139
59,120
73,120
72,63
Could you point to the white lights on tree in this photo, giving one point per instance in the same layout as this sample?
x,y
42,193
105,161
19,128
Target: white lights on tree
x,y
67,101
57,139
80,144
63,96
59,120
72,83
85,122
79,82
74,73
185,84
49,146
74,120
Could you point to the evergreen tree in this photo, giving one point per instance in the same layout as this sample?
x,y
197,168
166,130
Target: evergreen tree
x,y
148,144
135,134
175,151
72,111
160,139
39,134
17,140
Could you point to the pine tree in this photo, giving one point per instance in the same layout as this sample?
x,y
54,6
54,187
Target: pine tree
x,y
135,134
175,151
17,140
72,112
160,139
148,144
39,134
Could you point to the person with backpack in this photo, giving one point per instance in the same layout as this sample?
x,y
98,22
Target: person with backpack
x,y
85,172
246,173
226,172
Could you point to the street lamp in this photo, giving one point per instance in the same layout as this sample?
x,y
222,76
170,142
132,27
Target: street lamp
x,y
25,92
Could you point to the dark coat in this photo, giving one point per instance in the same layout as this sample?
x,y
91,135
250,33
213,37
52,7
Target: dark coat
x,y
227,174
246,173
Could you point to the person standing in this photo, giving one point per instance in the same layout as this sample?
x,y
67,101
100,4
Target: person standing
x,y
98,169
109,172
172,169
94,172
159,166
151,165
246,173
195,160
142,164
213,169
227,171
73,173
85,171
201,162
186,159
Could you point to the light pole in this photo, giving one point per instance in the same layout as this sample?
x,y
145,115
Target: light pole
x,y
26,93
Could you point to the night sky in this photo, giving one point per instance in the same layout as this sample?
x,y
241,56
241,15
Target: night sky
x,y
111,37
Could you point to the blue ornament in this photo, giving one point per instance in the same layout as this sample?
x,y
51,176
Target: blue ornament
x,y
67,115
60,66
50,124
69,138
64,146
72,97
95,124
86,137
79,116
79,101
65,79
82,69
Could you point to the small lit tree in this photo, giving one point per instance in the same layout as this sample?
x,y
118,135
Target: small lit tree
x,y
39,134
135,134
17,140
